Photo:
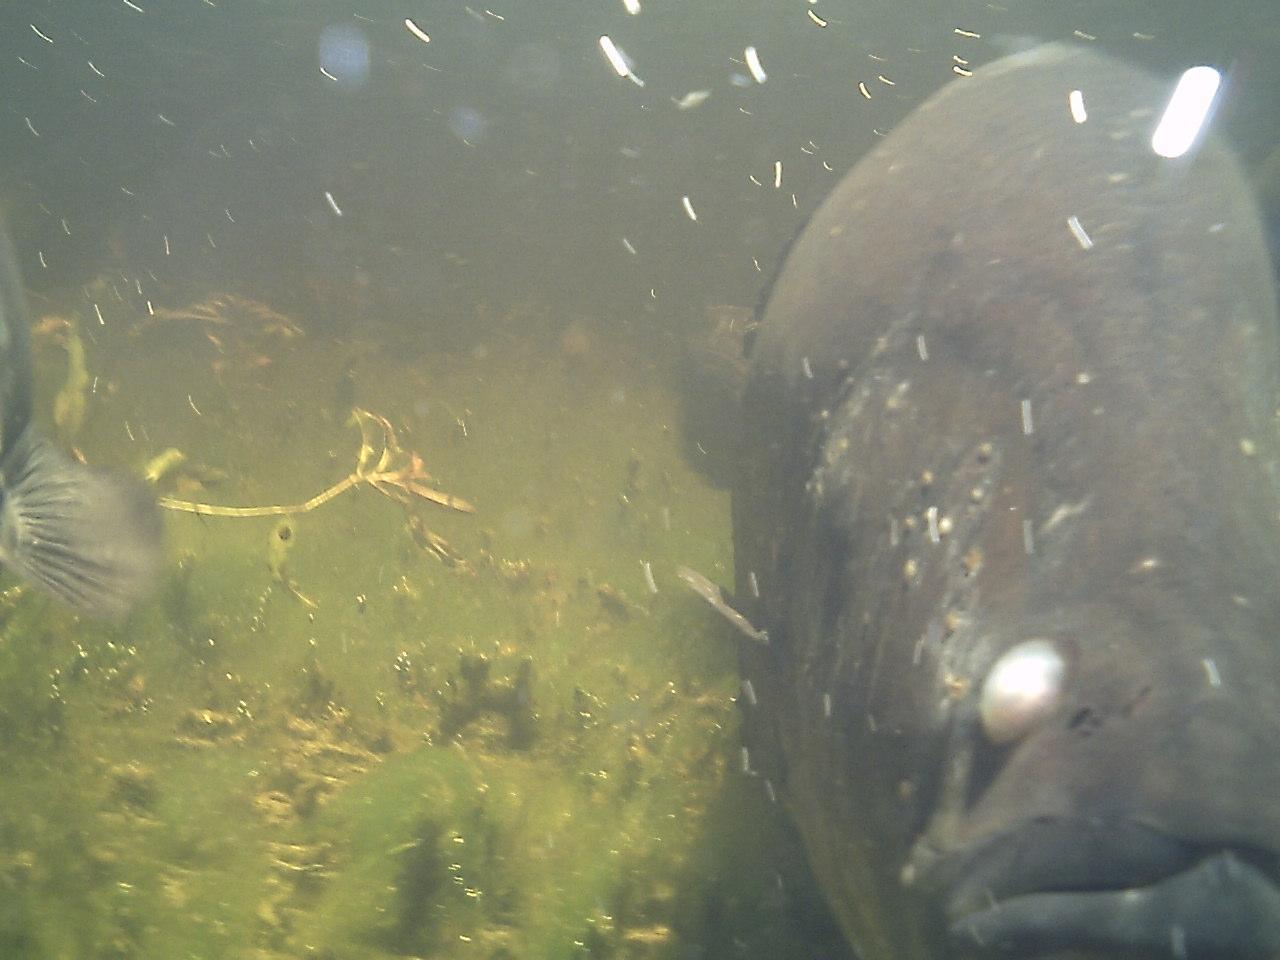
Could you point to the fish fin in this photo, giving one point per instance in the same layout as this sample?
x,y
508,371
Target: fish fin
x,y
94,540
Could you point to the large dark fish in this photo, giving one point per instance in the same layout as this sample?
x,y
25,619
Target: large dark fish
x,y
90,538
1010,518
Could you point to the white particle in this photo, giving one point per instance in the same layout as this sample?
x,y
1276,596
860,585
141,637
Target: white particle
x,y
754,65
616,58
688,208
922,348
1187,112
333,204
648,576
1077,231
1211,672
1075,101
416,30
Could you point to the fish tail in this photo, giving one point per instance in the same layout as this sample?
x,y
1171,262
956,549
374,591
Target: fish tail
x,y
94,540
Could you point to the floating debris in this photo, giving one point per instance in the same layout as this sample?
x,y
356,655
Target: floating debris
x,y
163,464
691,100
712,594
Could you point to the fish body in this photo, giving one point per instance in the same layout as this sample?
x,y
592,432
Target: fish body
x,y
1009,513
91,538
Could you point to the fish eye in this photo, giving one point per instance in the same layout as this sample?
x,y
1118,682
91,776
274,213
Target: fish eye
x,y
1021,689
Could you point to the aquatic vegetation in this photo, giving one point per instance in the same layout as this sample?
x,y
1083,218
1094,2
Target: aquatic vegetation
x,y
488,740
71,402
380,463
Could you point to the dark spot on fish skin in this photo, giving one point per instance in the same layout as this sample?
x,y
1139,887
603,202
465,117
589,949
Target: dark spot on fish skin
x,y
1084,721
1134,705
285,532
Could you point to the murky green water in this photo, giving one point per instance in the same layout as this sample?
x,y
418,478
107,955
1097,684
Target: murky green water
x,y
415,731
517,749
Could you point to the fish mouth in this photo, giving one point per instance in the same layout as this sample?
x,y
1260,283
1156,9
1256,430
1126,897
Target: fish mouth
x,y
1150,897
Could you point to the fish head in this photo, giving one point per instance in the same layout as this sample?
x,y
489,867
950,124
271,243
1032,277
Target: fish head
x,y
1109,785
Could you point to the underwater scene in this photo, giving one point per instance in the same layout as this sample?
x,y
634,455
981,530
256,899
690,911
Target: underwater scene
x,y
424,332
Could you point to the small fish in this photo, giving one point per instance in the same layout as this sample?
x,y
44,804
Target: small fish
x,y
92,539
